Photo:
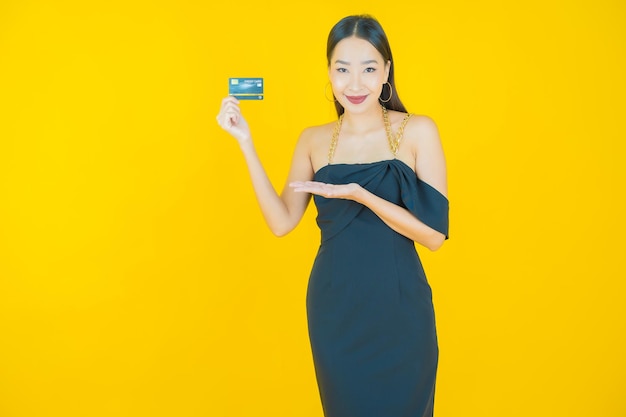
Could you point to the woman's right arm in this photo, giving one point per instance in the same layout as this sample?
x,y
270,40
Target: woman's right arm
x,y
282,212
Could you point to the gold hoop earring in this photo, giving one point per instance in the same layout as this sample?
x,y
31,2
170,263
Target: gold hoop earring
x,y
390,93
326,93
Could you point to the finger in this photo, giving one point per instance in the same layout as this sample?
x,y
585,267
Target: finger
x,y
306,182
229,104
229,117
301,188
297,184
232,118
231,111
229,99
226,119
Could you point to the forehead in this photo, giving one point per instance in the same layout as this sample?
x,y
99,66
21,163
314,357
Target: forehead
x,y
355,50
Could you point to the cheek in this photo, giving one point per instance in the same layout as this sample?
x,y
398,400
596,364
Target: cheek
x,y
375,84
339,82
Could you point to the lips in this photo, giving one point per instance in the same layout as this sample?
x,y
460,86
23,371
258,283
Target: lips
x,y
356,99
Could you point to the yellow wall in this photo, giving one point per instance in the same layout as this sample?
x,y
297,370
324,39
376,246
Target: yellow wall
x,y
138,279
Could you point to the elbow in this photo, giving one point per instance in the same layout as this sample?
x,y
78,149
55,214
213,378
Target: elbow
x,y
282,225
436,242
280,233
281,230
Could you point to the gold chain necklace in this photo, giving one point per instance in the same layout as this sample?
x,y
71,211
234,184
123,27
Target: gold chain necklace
x,y
394,140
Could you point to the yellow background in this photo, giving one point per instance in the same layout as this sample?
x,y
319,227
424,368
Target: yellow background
x,y
137,277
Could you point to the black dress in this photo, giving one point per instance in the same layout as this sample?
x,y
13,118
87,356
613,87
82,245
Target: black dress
x,y
369,306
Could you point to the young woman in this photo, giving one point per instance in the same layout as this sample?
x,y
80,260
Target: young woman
x,y
378,179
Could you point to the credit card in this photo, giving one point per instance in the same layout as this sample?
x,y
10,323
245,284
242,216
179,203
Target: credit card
x,y
246,88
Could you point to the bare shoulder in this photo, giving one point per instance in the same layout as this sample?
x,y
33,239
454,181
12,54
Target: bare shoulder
x,y
312,132
422,134
309,136
317,140
422,129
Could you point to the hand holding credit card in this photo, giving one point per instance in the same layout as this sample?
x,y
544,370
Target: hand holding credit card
x,y
246,88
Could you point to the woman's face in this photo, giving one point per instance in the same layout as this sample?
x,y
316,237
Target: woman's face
x,y
357,73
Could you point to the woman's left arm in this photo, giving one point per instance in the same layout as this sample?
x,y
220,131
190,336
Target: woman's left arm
x,y
422,137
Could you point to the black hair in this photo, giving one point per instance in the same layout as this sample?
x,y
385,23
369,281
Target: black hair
x,y
366,27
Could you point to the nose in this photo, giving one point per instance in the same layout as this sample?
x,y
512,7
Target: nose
x,y
355,81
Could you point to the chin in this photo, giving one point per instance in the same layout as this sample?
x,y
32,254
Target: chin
x,y
363,107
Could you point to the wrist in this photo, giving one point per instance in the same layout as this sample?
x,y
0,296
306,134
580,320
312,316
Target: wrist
x,y
246,144
360,194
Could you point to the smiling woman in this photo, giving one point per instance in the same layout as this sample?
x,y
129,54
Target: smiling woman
x,y
370,32
369,305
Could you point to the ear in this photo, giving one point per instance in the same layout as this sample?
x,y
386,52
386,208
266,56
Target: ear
x,y
387,70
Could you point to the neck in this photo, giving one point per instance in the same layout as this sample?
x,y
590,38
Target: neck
x,y
364,122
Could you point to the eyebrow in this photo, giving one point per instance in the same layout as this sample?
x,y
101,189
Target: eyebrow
x,y
369,61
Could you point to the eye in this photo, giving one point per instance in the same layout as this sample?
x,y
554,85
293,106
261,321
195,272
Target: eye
x,y
342,69
370,69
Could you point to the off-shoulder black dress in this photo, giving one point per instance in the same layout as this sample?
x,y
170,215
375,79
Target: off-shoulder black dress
x,y
370,312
